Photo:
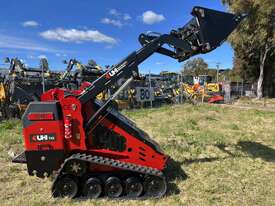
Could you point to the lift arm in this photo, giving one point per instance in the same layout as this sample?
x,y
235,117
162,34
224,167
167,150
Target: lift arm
x,y
206,31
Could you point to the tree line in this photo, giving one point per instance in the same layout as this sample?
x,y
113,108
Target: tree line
x,y
197,66
253,43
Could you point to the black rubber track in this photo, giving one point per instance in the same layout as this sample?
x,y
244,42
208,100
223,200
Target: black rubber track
x,y
145,171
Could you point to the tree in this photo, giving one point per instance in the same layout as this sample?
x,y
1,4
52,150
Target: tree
x,y
195,67
254,40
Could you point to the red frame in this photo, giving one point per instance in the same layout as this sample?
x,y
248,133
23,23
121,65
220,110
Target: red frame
x,y
78,113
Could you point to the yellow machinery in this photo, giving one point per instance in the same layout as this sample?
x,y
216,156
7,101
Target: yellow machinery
x,y
210,92
2,92
9,109
212,87
193,93
4,100
126,99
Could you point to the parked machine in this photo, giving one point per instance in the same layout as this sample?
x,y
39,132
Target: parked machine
x,y
201,88
20,85
89,72
94,150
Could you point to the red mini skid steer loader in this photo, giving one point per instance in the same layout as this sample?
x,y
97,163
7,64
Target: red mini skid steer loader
x,y
91,149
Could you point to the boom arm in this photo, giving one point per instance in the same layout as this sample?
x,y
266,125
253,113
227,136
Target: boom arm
x,y
129,66
206,31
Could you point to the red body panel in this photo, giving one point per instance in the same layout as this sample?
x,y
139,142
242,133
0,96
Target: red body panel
x,y
42,128
70,133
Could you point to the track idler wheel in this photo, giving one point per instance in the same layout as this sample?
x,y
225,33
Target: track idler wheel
x,y
66,186
154,186
76,167
92,188
113,187
133,187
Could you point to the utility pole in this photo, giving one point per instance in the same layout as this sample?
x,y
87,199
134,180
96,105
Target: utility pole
x,y
43,77
218,68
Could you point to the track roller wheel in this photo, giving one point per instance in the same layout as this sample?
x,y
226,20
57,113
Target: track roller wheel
x,y
154,186
66,186
92,188
133,187
113,187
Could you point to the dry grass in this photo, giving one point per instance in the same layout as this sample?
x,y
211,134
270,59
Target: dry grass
x,y
264,102
222,156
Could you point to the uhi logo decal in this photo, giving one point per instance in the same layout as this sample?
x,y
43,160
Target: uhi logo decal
x,y
115,70
42,137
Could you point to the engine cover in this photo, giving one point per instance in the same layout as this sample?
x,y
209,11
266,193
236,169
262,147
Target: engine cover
x,y
44,137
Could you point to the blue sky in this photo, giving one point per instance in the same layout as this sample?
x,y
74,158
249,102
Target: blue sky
x,y
104,30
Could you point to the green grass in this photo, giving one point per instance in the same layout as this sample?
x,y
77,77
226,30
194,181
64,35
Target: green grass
x,y
220,156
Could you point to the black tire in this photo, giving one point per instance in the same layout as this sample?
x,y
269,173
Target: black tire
x,y
133,187
113,187
66,186
92,188
154,186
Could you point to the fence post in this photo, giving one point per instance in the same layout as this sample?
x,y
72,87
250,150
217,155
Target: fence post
x,y
150,86
242,88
